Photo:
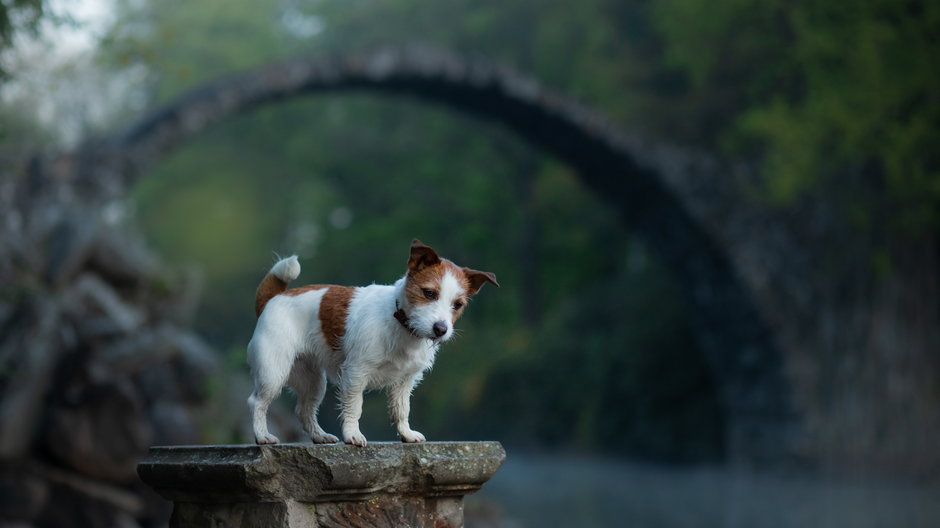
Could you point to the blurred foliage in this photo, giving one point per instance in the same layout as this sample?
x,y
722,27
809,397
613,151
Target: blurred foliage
x,y
837,95
18,15
587,343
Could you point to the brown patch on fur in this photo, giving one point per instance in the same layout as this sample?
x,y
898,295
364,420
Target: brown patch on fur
x,y
334,309
304,289
426,277
269,287
425,271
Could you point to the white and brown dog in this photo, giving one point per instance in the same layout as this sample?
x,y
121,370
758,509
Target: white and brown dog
x,y
359,338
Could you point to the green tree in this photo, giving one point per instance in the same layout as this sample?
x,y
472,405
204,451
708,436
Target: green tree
x,y
838,96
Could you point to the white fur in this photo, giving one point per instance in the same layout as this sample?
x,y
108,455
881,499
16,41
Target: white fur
x,y
286,269
288,347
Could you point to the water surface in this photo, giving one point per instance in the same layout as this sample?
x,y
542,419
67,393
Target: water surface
x,y
563,490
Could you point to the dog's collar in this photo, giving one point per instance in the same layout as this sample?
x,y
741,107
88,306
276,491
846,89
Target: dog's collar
x,y
402,318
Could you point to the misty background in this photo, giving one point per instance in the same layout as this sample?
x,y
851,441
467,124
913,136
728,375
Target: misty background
x,y
588,363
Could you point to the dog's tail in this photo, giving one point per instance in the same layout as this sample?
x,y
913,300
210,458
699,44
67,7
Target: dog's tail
x,y
275,281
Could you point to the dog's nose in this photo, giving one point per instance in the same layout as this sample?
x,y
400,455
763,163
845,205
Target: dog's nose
x,y
440,328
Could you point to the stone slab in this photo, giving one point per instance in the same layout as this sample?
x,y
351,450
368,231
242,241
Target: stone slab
x,y
309,473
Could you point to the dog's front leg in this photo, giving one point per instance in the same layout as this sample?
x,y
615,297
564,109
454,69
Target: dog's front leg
x,y
399,407
350,396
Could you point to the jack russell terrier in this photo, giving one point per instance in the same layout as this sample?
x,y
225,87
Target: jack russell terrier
x,y
360,338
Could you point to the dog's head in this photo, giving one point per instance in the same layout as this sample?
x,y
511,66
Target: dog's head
x,y
435,293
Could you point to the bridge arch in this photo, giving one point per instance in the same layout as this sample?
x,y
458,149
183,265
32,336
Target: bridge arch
x,y
744,357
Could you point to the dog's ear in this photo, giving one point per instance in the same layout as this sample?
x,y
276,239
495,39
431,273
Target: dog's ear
x,y
478,278
421,256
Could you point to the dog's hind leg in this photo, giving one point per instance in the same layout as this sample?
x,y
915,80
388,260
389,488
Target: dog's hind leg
x,y
269,380
309,383
258,402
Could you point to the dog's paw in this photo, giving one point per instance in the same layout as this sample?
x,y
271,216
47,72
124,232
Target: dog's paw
x,y
324,438
411,436
266,439
356,438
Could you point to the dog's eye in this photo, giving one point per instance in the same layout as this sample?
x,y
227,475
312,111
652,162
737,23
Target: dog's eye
x,y
458,305
429,294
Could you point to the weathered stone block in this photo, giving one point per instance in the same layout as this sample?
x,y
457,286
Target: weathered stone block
x,y
304,485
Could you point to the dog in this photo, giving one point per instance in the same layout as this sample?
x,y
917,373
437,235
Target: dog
x,y
358,338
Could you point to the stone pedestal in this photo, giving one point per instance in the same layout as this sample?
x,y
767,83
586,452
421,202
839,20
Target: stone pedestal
x,y
304,485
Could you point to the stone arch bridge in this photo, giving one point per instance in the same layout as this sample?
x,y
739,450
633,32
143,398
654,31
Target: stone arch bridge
x,y
670,197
